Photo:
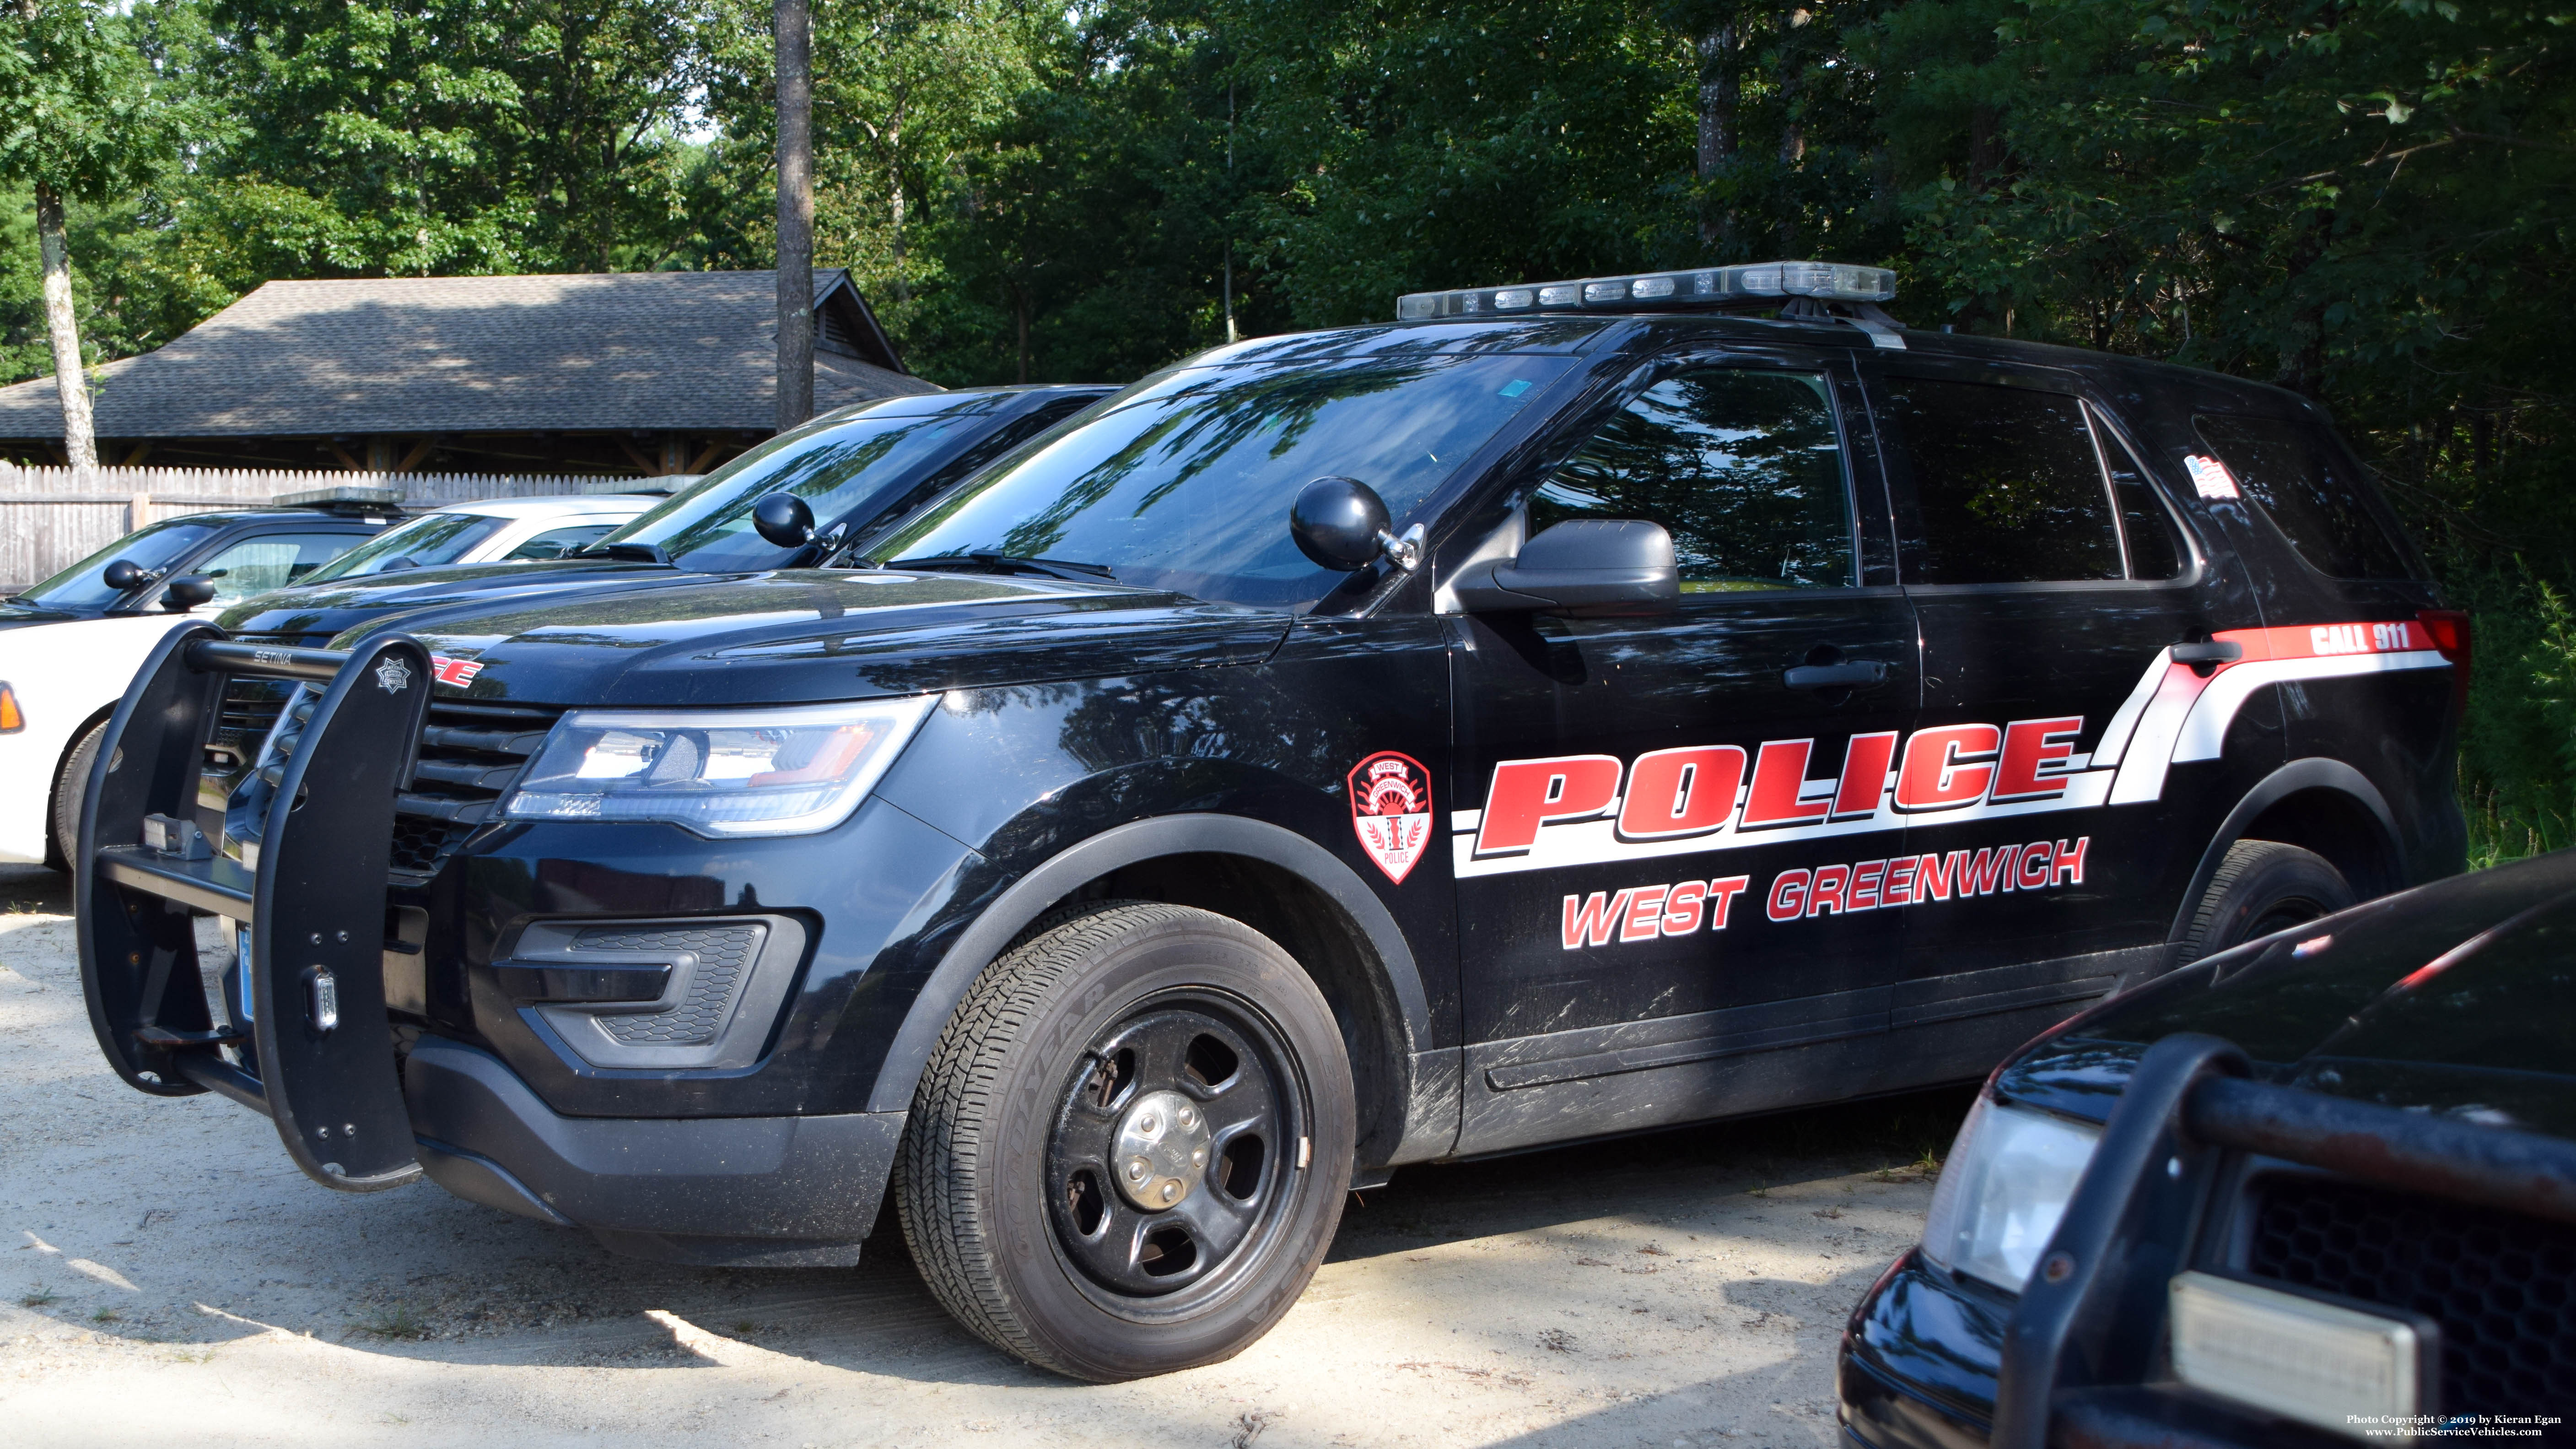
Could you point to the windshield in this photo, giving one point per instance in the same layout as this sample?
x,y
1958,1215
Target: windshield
x,y
852,468
154,546
1185,483
426,541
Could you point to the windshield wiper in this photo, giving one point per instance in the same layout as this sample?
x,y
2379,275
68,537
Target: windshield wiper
x,y
993,561
650,553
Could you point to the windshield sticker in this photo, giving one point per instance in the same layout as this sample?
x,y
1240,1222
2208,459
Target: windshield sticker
x,y
2209,477
1573,810
1391,811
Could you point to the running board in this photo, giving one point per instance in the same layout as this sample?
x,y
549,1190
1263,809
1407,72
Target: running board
x,y
318,1053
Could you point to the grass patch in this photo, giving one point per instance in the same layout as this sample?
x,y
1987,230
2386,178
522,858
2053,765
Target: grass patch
x,y
38,1297
106,1315
396,1322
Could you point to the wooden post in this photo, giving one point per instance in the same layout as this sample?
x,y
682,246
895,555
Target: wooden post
x,y
138,512
794,23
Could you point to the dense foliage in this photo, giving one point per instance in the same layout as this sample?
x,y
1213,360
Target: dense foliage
x,y
2368,201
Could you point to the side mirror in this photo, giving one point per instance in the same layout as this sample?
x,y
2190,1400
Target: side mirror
x,y
125,575
186,592
1342,524
783,519
1581,566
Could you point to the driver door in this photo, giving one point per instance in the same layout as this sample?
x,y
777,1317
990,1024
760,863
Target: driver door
x,y
1672,871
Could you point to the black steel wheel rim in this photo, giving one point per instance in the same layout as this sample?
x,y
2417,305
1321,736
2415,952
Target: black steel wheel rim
x,y
1212,1054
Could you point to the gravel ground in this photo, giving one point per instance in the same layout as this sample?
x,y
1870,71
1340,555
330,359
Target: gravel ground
x,y
168,1275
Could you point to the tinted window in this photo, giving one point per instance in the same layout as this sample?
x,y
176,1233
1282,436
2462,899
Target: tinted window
x,y
2307,486
1185,483
843,470
432,538
2155,546
2006,483
271,561
154,546
1743,467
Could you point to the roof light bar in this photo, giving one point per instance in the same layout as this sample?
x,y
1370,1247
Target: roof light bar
x,y
1743,286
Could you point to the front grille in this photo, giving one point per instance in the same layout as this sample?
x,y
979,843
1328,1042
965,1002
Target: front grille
x,y
469,755
723,953
2502,1285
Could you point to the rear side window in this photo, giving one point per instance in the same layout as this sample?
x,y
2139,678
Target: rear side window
x,y
1743,467
2307,486
2006,483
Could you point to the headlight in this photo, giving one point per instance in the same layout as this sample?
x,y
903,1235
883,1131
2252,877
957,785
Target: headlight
x,y
2003,1190
718,772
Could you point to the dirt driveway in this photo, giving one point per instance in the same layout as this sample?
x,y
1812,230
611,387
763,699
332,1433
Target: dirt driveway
x,y
168,1276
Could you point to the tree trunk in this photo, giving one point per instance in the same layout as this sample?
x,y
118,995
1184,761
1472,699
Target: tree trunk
x,y
1793,130
1720,91
794,20
1020,308
80,445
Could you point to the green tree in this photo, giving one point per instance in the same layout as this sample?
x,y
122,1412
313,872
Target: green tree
x,y
81,124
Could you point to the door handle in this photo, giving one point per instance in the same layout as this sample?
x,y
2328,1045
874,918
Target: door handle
x,y
2215,651
1850,674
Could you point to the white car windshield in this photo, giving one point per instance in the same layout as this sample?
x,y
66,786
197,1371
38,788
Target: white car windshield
x,y
153,548
431,539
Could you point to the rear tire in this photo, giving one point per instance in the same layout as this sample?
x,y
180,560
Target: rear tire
x,y
1091,1044
71,788
2262,886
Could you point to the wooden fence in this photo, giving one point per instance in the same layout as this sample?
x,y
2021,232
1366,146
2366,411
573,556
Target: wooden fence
x,y
52,518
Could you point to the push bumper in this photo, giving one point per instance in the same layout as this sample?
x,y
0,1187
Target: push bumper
x,y
317,1049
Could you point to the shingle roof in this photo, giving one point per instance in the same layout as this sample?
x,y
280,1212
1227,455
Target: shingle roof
x,y
683,351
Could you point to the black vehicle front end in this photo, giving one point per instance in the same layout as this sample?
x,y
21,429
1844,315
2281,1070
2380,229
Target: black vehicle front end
x,y
2316,1189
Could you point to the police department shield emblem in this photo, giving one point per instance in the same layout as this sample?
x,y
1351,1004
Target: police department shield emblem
x,y
393,675
1391,811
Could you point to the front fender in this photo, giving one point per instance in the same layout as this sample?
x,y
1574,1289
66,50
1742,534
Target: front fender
x,y
1131,844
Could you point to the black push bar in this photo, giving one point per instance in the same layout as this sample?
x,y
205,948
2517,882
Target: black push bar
x,y
2081,1341
318,1054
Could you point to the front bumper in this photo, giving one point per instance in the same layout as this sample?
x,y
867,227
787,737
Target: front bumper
x,y
745,1191
1919,1359
330,1032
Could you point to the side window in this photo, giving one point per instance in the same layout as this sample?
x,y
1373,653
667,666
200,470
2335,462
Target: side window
x,y
2155,546
1743,466
2007,484
272,561
556,542
2306,486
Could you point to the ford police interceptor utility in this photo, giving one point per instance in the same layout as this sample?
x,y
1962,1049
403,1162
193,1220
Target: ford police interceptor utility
x,y
1568,710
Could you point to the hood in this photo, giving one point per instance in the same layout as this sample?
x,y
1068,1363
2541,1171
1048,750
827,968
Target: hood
x,y
316,612
2457,997
810,635
19,616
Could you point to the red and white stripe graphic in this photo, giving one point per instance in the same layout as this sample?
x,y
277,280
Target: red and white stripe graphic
x,y
1568,810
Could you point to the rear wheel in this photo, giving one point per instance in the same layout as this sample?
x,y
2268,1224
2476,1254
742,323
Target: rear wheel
x,y
71,788
1128,1152
2262,886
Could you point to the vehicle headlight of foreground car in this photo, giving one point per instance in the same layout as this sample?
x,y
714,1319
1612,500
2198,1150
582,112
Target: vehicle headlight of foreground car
x,y
720,773
2003,1190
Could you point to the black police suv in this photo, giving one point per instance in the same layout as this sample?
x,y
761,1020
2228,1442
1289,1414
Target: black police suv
x,y
1569,710
2317,1189
825,484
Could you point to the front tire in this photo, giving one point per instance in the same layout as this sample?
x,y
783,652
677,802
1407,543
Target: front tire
x,y
2262,886
71,788
1128,1152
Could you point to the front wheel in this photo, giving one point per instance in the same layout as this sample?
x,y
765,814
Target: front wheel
x,y
71,788
2262,886
1128,1152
